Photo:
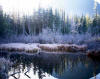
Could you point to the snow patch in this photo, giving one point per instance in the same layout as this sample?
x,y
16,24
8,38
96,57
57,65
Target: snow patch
x,y
96,77
20,47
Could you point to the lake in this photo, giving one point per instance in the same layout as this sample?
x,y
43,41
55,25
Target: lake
x,y
51,66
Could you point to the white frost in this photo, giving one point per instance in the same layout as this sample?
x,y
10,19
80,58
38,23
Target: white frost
x,y
20,47
96,77
35,47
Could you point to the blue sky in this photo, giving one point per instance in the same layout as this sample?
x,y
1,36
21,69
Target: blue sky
x,y
75,6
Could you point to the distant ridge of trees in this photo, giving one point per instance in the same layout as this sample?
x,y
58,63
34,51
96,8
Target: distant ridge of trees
x,y
47,19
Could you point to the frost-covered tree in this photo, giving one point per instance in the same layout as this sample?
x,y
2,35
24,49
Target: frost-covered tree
x,y
56,21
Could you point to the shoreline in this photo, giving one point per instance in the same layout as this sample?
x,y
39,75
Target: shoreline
x,y
36,47
52,48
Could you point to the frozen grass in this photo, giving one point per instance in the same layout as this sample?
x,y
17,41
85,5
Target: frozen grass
x,y
62,47
35,47
49,37
32,48
52,40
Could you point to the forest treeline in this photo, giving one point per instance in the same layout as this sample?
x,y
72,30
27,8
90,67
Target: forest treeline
x,y
55,21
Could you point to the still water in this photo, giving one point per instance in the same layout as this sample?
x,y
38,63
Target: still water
x,y
51,66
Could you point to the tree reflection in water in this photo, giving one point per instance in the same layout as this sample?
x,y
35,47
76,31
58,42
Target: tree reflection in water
x,y
57,65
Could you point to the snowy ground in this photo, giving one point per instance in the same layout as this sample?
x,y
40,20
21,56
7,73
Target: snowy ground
x,y
20,47
36,47
96,77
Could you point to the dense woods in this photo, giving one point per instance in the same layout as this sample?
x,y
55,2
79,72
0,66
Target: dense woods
x,y
53,20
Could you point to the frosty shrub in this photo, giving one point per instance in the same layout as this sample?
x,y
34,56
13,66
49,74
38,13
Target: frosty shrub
x,y
4,67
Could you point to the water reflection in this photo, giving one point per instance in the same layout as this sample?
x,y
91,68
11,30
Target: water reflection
x,y
51,66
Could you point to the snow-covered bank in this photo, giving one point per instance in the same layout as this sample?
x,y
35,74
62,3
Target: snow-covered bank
x,y
35,47
96,77
20,47
62,47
